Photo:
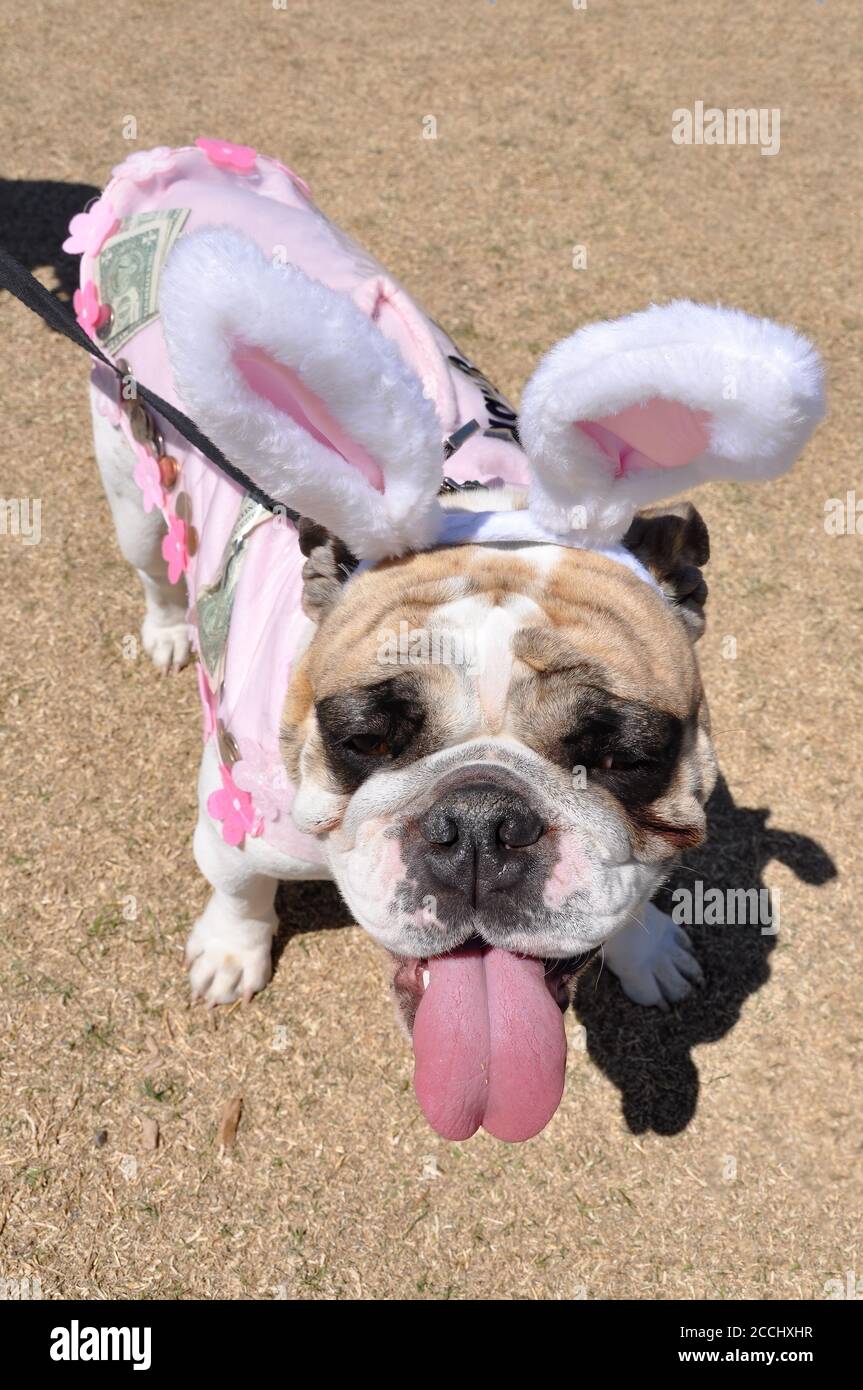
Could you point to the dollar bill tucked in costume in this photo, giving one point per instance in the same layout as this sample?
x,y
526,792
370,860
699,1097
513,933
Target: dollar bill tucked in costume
x,y
129,268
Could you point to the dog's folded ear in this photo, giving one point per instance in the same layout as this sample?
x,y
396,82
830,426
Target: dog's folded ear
x,y
672,543
300,389
329,564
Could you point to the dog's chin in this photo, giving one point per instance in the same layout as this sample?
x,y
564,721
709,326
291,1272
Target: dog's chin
x,y
483,967
481,992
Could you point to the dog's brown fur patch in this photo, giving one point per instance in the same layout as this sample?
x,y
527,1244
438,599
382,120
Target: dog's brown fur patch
x,y
595,625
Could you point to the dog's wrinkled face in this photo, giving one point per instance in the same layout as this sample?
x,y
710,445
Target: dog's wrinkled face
x,y
504,750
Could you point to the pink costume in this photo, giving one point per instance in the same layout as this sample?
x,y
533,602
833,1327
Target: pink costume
x,y
216,184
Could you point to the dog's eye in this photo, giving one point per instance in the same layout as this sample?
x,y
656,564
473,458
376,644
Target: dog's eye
x,y
369,745
593,752
621,762
625,762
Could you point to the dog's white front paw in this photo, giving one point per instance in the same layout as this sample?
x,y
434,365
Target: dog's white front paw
x,y
223,967
654,961
166,644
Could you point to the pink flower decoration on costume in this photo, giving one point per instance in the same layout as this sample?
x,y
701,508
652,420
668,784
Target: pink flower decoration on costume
x,y
265,777
144,165
90,230
89,312
234,809
208,703
240,158
175,547
149,479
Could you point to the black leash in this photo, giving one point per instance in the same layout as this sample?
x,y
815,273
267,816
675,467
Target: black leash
x,y
33,295
18,281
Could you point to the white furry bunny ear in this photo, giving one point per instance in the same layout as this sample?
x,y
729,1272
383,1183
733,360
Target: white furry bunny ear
x,y
298,388
627,413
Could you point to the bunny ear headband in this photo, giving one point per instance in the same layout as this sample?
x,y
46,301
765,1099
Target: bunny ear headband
x,y
299,387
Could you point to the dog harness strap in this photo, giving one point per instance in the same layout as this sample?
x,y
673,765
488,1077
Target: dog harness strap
x,y
468,528
34,296
15,278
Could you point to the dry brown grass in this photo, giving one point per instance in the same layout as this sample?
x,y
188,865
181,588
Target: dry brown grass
x,y
554,130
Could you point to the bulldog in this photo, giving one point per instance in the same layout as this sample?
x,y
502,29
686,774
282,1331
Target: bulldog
x,y
449,663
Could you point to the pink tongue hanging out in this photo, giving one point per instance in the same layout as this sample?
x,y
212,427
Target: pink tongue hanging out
x,y
490,1045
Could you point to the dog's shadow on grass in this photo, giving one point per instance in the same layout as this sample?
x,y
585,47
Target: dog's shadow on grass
x,y
34,223
646,1052
311,906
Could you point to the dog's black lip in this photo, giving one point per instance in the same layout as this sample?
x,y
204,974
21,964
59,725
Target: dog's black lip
x,y
560,976
555,966
570,965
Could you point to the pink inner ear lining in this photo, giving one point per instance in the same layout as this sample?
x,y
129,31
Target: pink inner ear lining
x,y
283,388
658,434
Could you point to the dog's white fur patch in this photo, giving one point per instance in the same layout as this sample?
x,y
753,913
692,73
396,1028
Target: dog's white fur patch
x,y
653,959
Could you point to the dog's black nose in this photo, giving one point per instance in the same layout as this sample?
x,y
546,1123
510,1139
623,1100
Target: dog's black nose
x,y
479,838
